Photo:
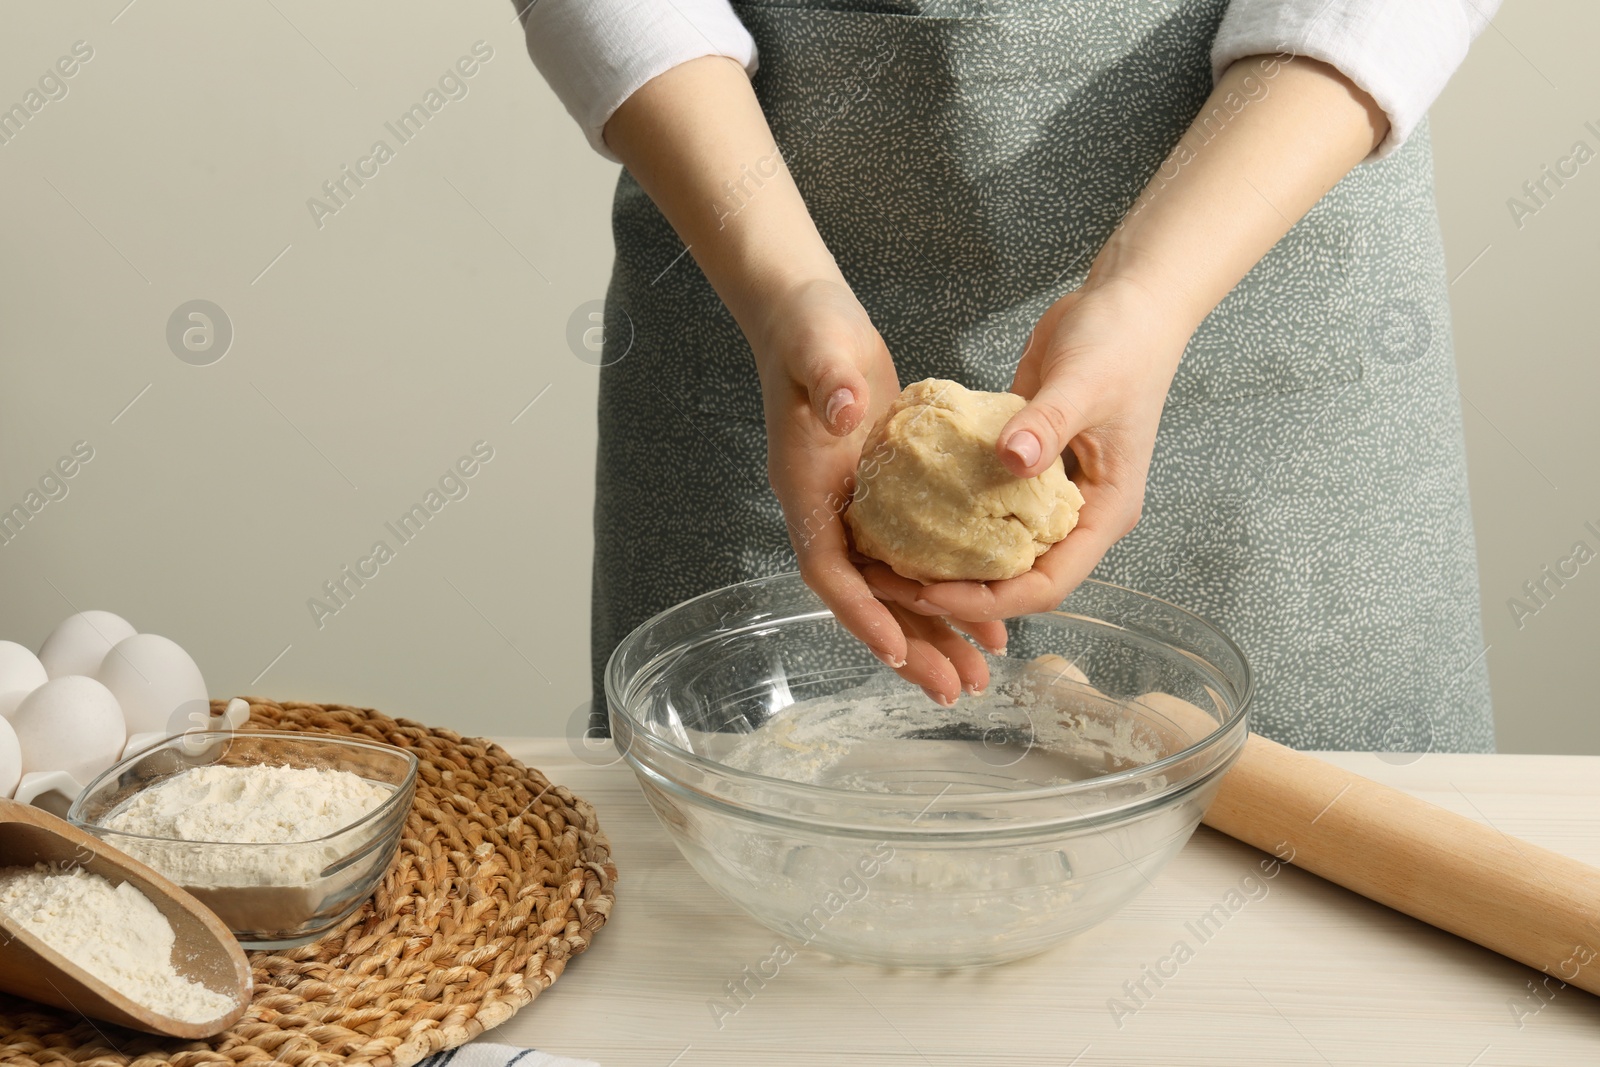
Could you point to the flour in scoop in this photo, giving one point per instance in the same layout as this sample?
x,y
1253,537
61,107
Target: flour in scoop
x,y
113,932
245,805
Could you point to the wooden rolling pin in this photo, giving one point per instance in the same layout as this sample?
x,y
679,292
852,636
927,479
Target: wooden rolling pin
x,y
1534,905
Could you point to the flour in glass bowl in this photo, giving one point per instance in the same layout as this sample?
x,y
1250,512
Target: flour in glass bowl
x,y
255,804
848,739
1031,729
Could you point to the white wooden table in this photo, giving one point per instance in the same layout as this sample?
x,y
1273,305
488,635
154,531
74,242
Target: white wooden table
x,y
1303,972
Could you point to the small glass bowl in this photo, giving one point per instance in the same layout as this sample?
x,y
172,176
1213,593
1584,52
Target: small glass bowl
x,y
271,895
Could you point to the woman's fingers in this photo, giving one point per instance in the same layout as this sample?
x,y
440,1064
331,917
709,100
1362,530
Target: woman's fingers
x,y
991,634
1055,574
1093,380
825,355
939,659
1039,433
898,589
839,397
811,489
932,670
936,657
831,575
970,666
1031,363
933,637
836,392
1054,414
887,585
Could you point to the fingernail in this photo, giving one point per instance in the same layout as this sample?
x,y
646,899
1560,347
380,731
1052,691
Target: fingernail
x,y
1025,446
974,690
928,607
939,698
837,402
881,594
884,656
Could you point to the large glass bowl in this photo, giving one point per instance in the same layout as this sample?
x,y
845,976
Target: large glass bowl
x,y
270,894
842,808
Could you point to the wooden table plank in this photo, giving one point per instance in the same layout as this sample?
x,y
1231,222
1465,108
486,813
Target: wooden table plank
x,y
1303,973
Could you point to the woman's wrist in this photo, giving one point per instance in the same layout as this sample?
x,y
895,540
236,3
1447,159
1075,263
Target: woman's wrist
x,y
759,295
796,314
696,140
1155,302
1253,162
1148,280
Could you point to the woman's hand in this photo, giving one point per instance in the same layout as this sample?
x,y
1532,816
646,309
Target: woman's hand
x,y
1276,133
825,373
826,377
1095,374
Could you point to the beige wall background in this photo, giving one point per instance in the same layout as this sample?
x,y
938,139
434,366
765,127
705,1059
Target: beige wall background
x,y
374,346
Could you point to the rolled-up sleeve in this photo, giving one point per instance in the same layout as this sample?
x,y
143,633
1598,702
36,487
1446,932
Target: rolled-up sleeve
x,y
1400,52
596,53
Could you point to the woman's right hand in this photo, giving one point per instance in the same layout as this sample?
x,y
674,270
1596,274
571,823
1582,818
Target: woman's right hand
x,y
826,377
686,135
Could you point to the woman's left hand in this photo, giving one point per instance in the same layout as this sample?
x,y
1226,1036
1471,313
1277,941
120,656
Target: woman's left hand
x,y
1095,374
1101,359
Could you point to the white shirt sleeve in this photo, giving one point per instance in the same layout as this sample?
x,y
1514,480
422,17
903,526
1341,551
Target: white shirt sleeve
x,y
1401,52
595,53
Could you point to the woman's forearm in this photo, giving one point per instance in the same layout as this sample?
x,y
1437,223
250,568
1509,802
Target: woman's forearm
x,y
1274,136
697,142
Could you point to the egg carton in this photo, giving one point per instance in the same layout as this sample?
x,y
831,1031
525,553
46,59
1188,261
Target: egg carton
x,y
54,791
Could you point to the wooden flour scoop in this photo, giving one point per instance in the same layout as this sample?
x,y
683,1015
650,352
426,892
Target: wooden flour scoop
x,y
1536,906
207,953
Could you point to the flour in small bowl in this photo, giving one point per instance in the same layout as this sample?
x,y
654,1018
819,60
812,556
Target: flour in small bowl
x,y
255,803
257,813
113,932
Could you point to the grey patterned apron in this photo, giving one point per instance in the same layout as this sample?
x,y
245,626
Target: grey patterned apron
x,y
964,163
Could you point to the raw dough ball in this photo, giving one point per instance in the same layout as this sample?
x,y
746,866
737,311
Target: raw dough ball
x,y
933,501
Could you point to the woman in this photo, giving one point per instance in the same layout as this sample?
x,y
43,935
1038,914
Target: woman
x,y
1208,231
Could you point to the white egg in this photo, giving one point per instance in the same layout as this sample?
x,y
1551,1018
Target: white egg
x,y
81,642
20,674
157,684
10,759
70,724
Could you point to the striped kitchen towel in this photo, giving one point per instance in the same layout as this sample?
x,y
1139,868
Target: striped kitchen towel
x,y
483,1054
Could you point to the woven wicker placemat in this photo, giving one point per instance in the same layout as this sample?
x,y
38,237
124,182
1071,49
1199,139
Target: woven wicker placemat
x,y
500,879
